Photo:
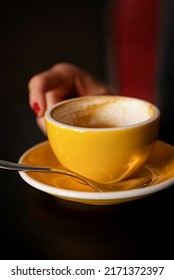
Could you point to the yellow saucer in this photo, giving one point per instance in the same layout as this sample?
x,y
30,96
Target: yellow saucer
x,y
160,166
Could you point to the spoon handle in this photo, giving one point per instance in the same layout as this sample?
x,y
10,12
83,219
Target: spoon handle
x,y
21,167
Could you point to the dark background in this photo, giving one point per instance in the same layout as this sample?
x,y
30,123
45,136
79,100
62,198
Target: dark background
x,y
33,225
37,34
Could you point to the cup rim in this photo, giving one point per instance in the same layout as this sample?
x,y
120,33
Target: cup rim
x,y
50,119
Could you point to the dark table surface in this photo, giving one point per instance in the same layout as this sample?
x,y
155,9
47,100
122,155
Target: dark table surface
x,y
35,225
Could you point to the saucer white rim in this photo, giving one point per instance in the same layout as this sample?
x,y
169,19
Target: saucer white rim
x,y
115,195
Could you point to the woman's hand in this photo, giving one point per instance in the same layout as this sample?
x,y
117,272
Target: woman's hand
x,y
60,82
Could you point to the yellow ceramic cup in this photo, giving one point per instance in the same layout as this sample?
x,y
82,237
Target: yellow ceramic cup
x,y
105,138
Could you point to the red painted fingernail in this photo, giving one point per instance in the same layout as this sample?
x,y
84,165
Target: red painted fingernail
x,y
36,108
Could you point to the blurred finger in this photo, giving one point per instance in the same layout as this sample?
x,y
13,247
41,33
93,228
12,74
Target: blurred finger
x,y
41,124
40,85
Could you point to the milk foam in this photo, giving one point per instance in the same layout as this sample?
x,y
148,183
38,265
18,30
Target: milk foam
x,y
100,112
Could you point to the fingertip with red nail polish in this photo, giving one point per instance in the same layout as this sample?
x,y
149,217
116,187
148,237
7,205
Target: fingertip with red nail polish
x,y
36,108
